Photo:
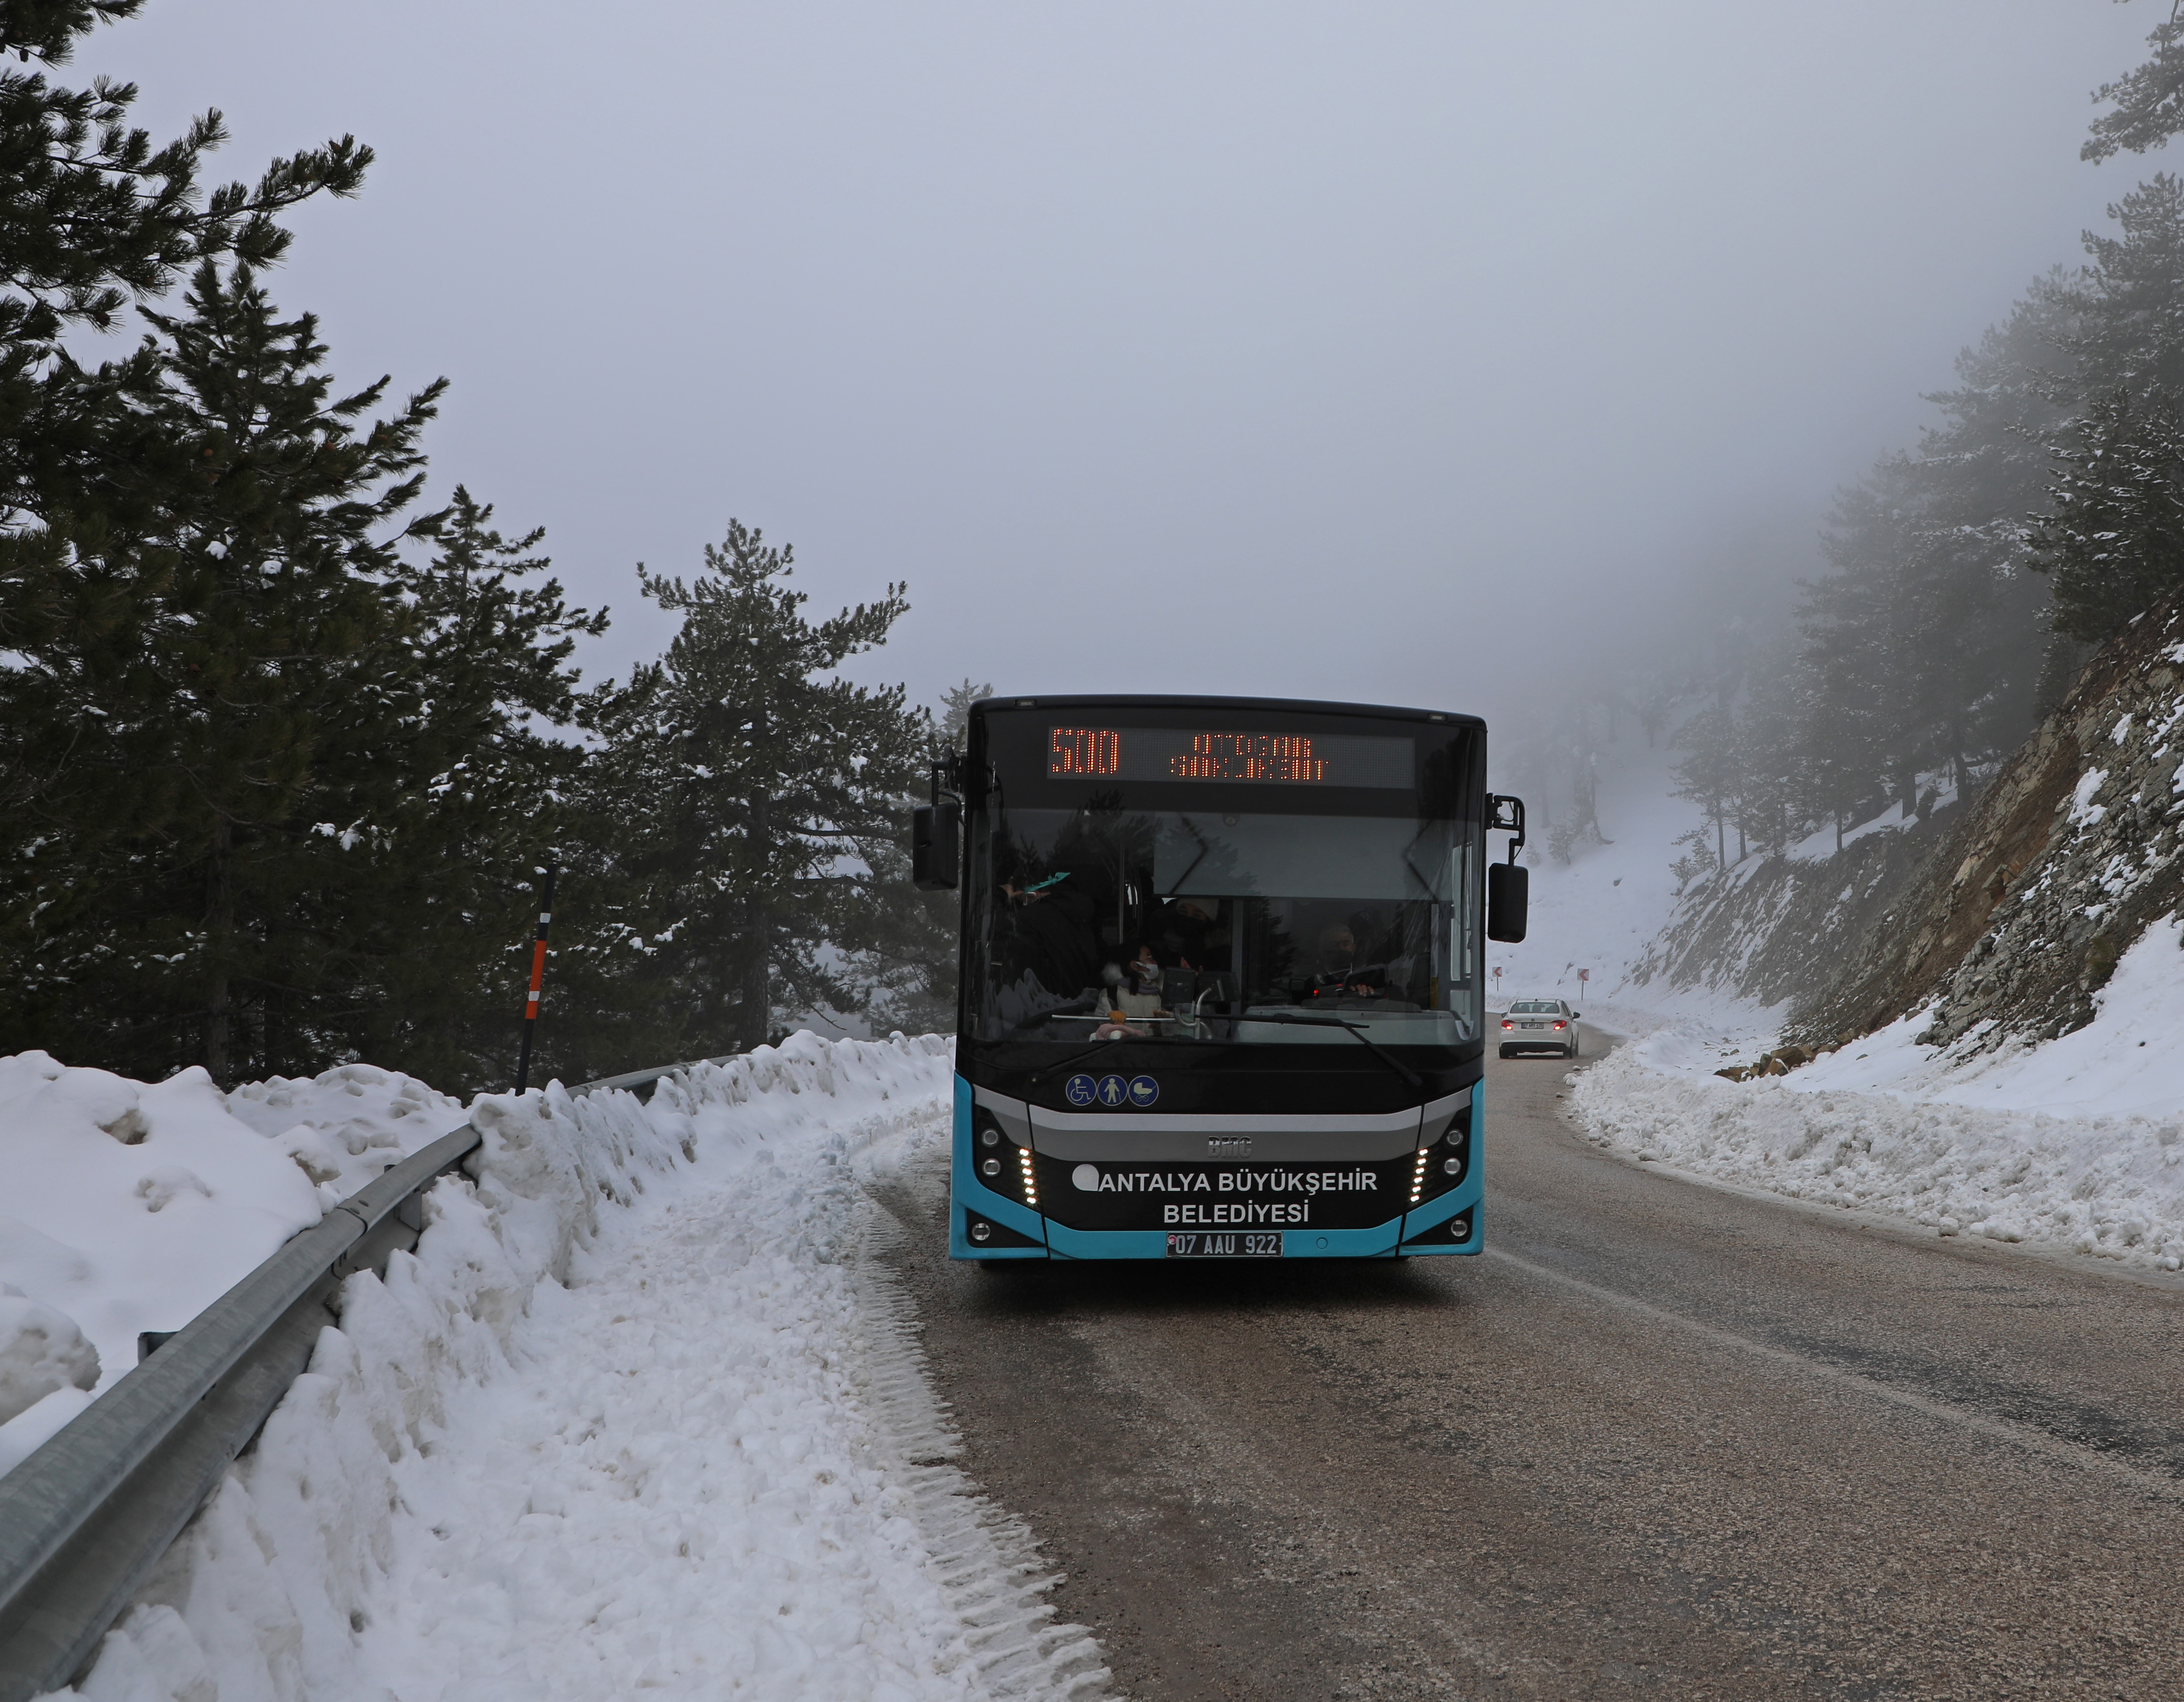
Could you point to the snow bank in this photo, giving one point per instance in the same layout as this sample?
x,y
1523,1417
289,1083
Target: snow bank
x,y
130,1206
47,1372
2076,1144
635,1416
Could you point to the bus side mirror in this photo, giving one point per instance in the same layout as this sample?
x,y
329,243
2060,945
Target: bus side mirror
x,y
1508,890
935,845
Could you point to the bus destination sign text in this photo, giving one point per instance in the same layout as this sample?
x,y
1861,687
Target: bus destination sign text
x,y
1178,753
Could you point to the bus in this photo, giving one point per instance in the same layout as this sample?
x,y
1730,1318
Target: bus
x,y
1221,976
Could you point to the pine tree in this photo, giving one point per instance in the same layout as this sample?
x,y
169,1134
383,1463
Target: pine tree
x,y
955,711
2121,316
768,797
2114,540
1841,749
92,214
272,775
1769,756
199,763
474,793
1708,776
2148,100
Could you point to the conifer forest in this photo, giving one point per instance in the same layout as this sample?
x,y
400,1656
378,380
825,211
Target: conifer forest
x,y
290,728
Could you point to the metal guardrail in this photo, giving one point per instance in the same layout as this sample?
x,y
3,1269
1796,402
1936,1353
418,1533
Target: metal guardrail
x,y
85,1519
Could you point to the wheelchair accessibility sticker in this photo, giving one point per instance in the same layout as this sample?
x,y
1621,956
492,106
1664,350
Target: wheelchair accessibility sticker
x,y
1110,1093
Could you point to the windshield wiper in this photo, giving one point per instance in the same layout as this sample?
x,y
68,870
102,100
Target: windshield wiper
x,y
1378,1050
1075,1007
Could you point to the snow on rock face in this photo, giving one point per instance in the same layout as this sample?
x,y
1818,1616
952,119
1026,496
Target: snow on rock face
x,y
128,1206
614,1428
2012,926
2084,812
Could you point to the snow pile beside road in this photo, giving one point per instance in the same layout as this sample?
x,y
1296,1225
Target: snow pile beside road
x,y
2076,1144
126,1206
345,1126
627,1421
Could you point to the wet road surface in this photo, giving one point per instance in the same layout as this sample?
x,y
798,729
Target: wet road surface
x,y
1659,1440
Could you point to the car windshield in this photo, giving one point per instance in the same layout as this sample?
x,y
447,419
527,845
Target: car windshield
x,y
1229,926
1534,1007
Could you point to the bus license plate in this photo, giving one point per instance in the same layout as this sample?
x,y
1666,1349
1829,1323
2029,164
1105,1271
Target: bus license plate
x,y
1238,1246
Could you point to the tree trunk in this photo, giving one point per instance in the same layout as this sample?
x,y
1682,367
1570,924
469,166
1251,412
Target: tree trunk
x,y
757,983
220,940
756,1006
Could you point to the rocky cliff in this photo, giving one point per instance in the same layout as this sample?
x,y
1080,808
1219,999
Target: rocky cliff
x,y
1772,929
2011,923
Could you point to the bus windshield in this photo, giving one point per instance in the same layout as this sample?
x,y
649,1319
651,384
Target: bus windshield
x,y
1191,912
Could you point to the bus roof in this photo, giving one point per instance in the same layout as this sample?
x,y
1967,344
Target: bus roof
x,y
1154,701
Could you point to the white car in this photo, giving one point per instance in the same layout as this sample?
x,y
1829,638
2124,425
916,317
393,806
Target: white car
x,y
1539,1025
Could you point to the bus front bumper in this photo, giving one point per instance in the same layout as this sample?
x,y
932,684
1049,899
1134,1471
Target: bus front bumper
x,y
987,1226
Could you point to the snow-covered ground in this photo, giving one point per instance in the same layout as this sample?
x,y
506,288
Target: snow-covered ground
x,y
1595,914
640,1414
129,1207
2076,1145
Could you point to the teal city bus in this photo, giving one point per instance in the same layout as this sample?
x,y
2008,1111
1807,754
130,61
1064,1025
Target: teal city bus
x,y
1222,967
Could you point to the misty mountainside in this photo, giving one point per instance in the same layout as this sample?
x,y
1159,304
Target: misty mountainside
x,y
1636,878
2011,924
2003,914
1772,928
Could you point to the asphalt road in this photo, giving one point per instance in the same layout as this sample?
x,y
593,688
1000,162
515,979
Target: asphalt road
x,y
1659,1440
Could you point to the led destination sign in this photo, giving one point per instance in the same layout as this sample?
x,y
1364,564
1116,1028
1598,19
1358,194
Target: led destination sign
x,y
1260,758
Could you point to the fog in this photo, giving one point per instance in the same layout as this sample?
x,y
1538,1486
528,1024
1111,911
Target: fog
x,y
1414,353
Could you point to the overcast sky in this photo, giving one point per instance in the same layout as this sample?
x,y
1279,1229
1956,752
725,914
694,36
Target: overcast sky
x,y
1395,353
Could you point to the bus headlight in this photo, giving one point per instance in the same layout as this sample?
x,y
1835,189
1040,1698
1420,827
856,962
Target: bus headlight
x,y
991,1167
1452,1167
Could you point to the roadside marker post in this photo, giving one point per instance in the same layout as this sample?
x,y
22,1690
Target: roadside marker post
x,y
537,977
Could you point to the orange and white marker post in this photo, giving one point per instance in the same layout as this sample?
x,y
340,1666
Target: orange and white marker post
x,y
537,978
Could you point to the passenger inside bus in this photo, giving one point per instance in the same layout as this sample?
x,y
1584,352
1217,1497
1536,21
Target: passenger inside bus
x,y
1190,931
1051,936
1144,970
1083,928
